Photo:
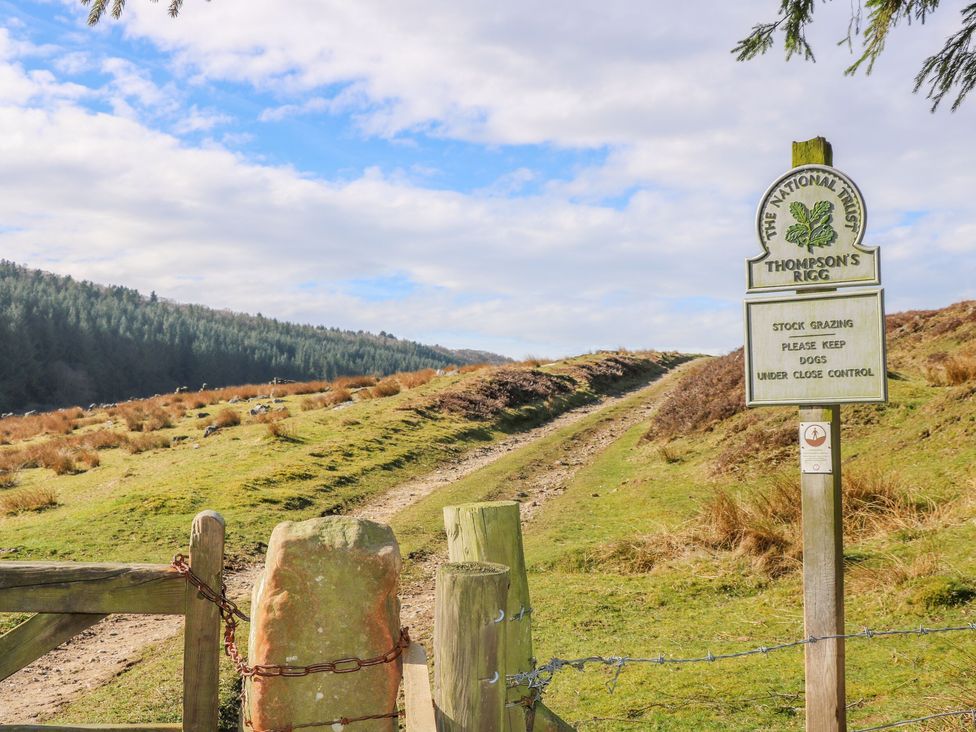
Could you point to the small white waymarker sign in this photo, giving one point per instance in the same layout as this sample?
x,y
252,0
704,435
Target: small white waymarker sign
x,y
815,447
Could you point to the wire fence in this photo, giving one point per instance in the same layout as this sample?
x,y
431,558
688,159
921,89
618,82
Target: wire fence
x,y
539,678
971,713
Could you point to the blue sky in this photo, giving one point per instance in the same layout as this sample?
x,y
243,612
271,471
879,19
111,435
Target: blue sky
x,y
535,179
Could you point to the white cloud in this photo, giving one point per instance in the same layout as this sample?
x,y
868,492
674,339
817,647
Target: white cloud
x,y
200,120
276,114
691,141
133,85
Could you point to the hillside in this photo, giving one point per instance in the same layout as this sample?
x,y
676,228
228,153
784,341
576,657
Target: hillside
x,y
664,523
682,539
64,342
123,483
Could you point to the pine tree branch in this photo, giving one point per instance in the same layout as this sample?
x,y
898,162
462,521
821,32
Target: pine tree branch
x,y
795,15
953,66
883,16
97,9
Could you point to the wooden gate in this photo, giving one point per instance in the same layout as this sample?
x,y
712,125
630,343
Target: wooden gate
x,y
69,597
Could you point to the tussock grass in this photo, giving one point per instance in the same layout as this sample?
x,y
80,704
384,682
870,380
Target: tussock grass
x,y
28,499
385,388
632,555
329,399
413,379
354,382
55,455
90,458
668,454
61,454
143,443
501,389
101,440
279,431
944,369
891,571
227,418
60,422
8,478
275,415
764,523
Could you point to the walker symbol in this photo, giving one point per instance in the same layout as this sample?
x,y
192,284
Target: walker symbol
x,y
815,435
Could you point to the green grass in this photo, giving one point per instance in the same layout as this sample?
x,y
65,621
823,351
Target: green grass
x,y
696,600
139,507
715,601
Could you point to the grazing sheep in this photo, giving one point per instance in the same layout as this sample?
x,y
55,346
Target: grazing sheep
x,y
211,430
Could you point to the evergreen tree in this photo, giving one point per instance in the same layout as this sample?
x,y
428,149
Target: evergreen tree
x,y
64,342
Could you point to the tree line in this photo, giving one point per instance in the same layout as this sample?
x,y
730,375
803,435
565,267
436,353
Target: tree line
x,y
66,342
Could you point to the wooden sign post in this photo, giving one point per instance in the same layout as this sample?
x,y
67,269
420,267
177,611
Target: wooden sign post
x,y
823,550
816,348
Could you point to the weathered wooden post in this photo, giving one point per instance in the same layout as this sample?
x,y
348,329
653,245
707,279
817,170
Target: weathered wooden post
x,y
823,547
201,645
328,594
492,532
469,647
816,349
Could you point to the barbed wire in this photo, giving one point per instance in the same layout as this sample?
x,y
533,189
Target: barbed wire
x,y
541,676
905,722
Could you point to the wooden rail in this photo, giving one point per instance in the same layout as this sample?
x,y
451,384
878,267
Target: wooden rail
x,y
70,597
417,699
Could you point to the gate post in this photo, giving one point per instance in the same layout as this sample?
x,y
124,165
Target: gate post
x,y
201,649
469,647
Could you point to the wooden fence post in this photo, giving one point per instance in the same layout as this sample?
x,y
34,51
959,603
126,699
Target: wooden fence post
x,y
823,549
328,593
469,647
823,584
492,532
201,647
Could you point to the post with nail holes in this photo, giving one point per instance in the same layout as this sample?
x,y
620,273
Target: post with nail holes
x,y
469,647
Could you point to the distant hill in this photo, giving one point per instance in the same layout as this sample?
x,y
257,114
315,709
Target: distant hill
x,y
66,342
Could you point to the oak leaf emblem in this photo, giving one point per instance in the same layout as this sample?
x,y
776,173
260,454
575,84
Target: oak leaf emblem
x,y
813,227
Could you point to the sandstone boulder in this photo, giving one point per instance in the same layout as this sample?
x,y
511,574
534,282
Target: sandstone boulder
x,y
328,591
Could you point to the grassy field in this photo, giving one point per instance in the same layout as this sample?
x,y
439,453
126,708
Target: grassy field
x,y
680,538
138,507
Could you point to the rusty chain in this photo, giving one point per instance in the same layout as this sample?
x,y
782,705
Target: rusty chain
x,y
230,614
334,723
340,722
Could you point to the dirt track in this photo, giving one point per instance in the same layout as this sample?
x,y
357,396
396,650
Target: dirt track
x,y
94,657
